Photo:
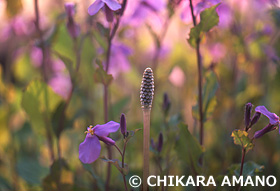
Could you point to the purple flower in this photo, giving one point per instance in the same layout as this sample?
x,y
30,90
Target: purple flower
x,y
72,27
119,59
108,5
273,121
140,12
61,84
89,150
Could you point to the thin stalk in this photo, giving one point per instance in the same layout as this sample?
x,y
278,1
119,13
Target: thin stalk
x,y
199,67
42,43
110,39
146,146
241,165
44,72
61,126
122,154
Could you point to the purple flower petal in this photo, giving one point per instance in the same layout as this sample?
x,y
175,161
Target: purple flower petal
x,y
89,150
112,4
104,130
268,128
273,118
95,7
107,140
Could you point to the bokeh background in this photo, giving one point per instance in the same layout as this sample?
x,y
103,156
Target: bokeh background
x,y
240,65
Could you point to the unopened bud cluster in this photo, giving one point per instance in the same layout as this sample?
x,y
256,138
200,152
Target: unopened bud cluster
x,y
147,88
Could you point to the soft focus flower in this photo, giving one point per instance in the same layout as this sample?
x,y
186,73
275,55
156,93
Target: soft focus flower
x,y
36,56
225,15
108,5
177,77
145,10
61,84
198,5
119,62
89,150
273,121
217,51
72,27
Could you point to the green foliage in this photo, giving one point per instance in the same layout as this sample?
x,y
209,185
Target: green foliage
x,y
117,164
99,181
188,148
241,138
119,107
275,13
101,76
209,97
249,169
39,101
208,19
57,178
30,170
131,134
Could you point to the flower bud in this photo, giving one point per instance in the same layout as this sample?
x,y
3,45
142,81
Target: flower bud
x,y
106,140
247,114
166,103
72,27
147,89
160,142
255,118
268,128
123,125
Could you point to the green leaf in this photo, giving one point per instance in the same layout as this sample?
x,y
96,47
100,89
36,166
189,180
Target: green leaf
x,y
131,134
209,97
100,182
30,170
188,148
119,106
4,184
103,30
58,178
39,101
275,13
208,19
249,169
101,76
68,63
100,39
56,116
241,138
117,164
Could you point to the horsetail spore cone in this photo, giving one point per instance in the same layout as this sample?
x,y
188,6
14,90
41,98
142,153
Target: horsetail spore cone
x,y
147,89
146,98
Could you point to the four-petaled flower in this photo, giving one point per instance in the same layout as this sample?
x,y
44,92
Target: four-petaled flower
x,y
89,150
108,6
273,122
